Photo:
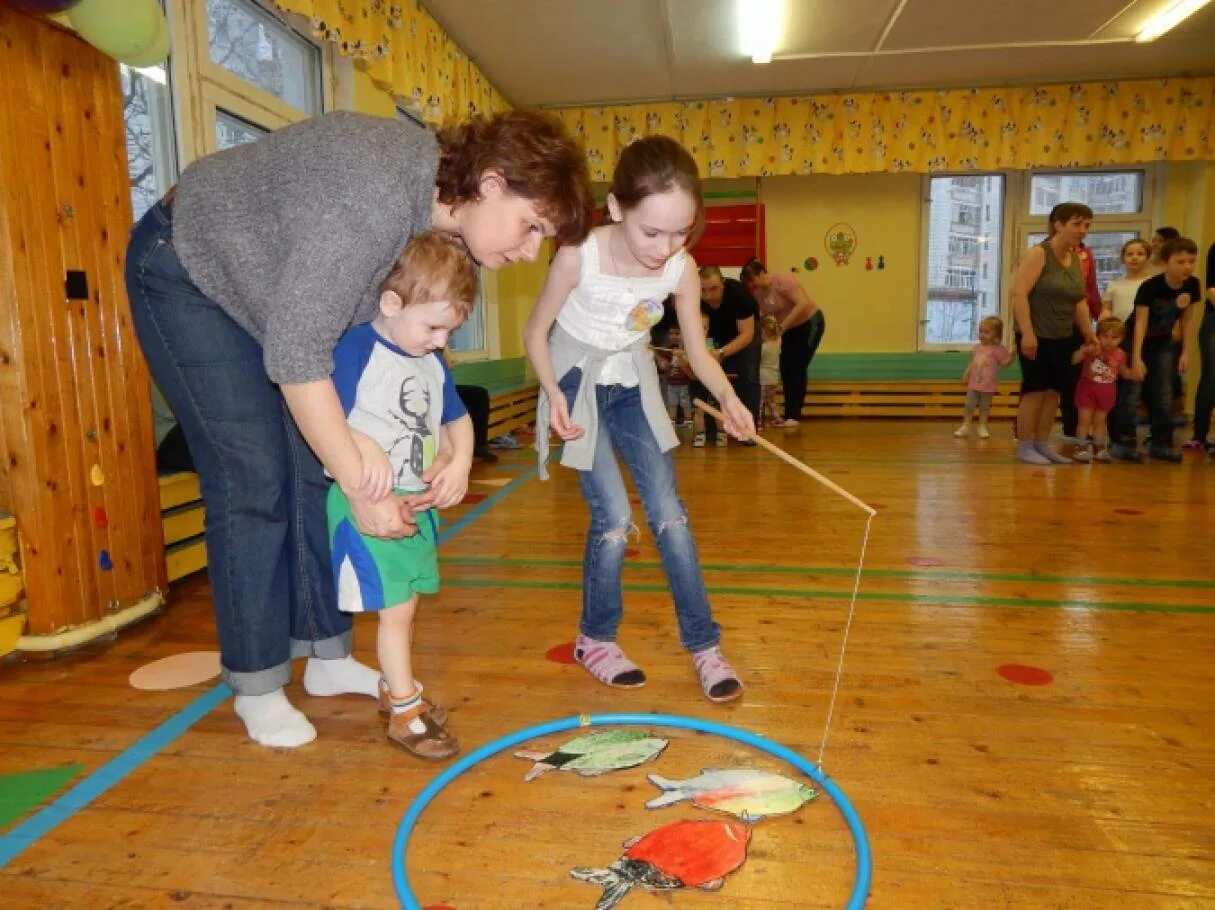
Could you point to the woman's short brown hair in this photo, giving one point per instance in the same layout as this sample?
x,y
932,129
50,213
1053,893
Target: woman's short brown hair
x,y
434,266
536,157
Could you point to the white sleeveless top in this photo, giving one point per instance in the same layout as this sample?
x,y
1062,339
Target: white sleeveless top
x,y
612,312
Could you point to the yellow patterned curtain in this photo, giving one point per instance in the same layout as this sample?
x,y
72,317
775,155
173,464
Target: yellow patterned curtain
x,y
405,52
922,131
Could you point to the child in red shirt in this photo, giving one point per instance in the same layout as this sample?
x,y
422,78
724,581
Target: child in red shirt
x,y
1103,364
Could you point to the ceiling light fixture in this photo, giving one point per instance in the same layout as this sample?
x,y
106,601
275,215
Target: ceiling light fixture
x,y
759,27
1169,18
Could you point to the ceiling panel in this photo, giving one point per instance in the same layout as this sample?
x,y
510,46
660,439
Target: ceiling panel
x,y
777,78
1019,66
574,52
945,23
704,29
562,51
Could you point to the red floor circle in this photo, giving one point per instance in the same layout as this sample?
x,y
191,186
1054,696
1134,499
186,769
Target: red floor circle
x,y
561,654
1024,675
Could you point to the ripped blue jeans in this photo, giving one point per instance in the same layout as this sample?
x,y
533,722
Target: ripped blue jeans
x,y
624,429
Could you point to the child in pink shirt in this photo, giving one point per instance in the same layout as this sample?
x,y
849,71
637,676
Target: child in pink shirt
x,y
980,376
1097,391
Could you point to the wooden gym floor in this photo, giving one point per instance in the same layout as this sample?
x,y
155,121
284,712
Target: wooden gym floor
x,y
1094,790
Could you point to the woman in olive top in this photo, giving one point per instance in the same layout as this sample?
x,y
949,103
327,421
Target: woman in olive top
x,y
1048,301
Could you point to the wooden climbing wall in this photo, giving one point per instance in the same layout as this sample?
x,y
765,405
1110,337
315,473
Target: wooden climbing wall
x,y
77,461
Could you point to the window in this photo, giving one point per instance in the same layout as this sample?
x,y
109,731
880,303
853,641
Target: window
x,y
231,130
961,271
250,43
1121,202
1105,192
249,69
147,109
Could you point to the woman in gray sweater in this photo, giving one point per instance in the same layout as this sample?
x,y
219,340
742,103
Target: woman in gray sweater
x,y
242,280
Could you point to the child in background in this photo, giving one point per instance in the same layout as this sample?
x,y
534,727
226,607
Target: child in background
x,y
678,376
416,442
986,359
1161,303
1118,300
1102,365
769,373
599,393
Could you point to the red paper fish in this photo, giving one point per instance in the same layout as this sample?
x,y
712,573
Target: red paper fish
x,y
683,854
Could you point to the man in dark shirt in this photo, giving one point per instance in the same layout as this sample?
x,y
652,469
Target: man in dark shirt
x,y
734,328
1160,302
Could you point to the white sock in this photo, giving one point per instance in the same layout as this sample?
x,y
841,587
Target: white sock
x,y
400,707
340,676
271,720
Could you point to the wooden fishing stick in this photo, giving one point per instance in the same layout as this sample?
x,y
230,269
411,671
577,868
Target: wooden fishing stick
x,y
789,459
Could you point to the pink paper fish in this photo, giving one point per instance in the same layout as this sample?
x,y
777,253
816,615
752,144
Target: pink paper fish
x,y
748,794
683,854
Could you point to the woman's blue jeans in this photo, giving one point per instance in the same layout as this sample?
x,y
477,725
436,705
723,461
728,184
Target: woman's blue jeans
x,y
263,488
624,431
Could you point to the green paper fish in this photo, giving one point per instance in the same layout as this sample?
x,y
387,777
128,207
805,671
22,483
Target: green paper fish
x,y
596,753
745,793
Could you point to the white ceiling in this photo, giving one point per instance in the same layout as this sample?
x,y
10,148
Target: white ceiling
x,y
578,52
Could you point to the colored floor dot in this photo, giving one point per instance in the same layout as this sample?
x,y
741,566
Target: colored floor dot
x,y
561,654
1024,675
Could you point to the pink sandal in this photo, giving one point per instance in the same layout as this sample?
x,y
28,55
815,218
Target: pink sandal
x,y
717,677
607,663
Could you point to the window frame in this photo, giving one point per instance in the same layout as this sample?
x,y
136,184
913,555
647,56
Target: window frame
x,y
1002,280
208,88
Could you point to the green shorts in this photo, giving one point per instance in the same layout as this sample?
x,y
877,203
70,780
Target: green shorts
x,y
370,573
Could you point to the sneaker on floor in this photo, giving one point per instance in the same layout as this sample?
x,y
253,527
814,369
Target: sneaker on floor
x,y
721,442
1029,455
717,678
1211,449
1102,454
698,441
790,422
963,430
1083,454
1192,444
505,441
607,663
1050,454
982,432
1164,453
1120,451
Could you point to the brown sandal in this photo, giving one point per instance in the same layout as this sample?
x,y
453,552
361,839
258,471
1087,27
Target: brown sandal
x,y
436,744
438,712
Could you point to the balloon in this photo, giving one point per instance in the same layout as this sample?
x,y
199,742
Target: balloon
x,y
157,52
45,7
120,28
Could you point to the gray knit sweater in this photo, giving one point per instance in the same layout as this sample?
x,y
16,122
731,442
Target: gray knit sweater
x,y
293,234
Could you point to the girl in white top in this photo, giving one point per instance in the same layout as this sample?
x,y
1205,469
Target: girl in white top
x,y
1119,297
600,394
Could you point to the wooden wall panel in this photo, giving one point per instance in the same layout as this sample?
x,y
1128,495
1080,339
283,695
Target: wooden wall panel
x,y
73,385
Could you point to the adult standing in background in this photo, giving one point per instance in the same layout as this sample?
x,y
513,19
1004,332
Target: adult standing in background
x,y
802,326
1048,300
734,328
1205,402
241,282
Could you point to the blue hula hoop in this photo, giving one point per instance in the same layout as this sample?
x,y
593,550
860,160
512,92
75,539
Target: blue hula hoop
x,y
864,863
